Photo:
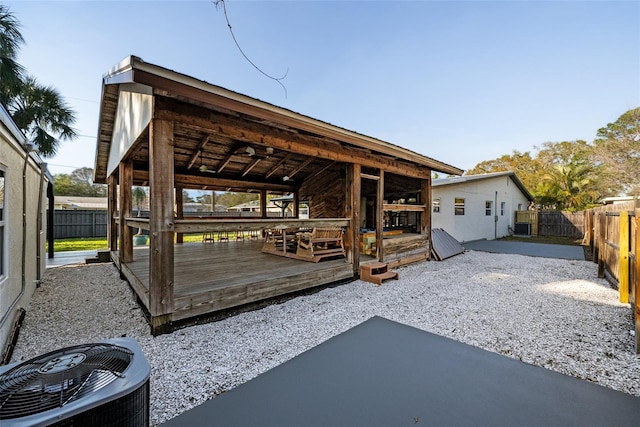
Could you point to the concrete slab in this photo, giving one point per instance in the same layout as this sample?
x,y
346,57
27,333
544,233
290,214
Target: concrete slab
x,y
525,248
383,373
69,257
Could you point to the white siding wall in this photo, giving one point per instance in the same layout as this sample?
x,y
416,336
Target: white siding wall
x,y
475,224
12,161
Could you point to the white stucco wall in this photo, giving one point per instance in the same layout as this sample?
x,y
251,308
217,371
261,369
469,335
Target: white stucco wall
x,y
12,156
475,224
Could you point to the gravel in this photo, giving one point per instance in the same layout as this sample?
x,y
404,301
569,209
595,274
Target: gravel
x,y
552,313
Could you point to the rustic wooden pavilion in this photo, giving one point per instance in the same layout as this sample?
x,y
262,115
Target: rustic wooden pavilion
x,y
170,132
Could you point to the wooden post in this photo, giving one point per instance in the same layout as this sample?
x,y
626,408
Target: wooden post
x,y
352,211
624,243
126,210
602,242
112,208
296,204
636,304
380,218
161,225
263,204
180,212
425,218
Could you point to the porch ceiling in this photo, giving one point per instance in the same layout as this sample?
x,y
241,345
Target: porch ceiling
x,y
227,141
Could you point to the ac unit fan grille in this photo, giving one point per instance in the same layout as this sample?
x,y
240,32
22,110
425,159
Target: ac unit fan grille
x,y
59,377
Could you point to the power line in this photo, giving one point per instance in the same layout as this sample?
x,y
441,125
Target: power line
x,y
233,36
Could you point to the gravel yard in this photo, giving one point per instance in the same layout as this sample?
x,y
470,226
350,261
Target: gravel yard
x,y
552,313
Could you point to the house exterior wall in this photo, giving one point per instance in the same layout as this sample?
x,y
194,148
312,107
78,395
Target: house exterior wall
x,y
12,158
475,224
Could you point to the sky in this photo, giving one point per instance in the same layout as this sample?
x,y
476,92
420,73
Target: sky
x,y
457,81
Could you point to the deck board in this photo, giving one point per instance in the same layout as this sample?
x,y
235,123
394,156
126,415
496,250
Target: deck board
x,y
211,277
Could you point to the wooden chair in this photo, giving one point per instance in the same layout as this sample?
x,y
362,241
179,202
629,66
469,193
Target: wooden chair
x,y
321,243
275,243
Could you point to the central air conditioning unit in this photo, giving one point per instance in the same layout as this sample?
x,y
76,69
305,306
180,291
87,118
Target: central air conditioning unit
x,y
98,384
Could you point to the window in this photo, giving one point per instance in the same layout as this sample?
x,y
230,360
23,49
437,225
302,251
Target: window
x,y
488,205
502,206
519,206
2,222
436,205
459,206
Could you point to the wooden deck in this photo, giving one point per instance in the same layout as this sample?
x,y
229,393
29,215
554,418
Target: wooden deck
x,y
213,276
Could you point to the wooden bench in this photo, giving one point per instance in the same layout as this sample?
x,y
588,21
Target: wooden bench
x,y
320,243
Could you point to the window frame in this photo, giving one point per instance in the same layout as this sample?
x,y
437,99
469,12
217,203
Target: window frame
x,y
488,207
458,206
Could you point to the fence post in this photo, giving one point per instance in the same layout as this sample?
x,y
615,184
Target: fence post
x,y
636,311
602,243
623,279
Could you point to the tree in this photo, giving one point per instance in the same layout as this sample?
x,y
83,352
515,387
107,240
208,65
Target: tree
x,y
139,196
617,151
524,165
78,183
38,110
43,116
10,41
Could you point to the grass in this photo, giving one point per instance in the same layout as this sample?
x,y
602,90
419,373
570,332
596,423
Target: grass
x,y
100,243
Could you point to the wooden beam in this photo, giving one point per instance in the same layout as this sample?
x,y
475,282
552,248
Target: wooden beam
x,y
425,217
125,175
296,204
263,203
300,167
396,207
198,151
225,161
324,168
250,166
380,217
112,209
636,304
198,181
250,132
371,177
161,224
624,243
277,165
352,210
179,212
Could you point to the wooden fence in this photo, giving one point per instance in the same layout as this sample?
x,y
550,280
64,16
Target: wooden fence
x,y
553,223
613,233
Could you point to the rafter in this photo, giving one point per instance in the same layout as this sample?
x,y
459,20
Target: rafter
x,y
300,167
198,151
250,166
277,165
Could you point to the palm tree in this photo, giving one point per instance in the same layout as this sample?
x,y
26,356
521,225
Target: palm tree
x,y
10,41
42,114
39,111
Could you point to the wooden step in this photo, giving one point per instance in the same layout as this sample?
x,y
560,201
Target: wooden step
x,y
376,272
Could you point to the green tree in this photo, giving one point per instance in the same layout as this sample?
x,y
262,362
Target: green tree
x,y
617,151
527,168
38,110
78,183
42,114
10,41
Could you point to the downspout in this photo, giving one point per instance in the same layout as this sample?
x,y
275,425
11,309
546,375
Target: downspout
x,y
43,167
495,218
28,148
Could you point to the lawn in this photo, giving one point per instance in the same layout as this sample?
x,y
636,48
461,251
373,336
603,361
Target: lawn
x,y
100,243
